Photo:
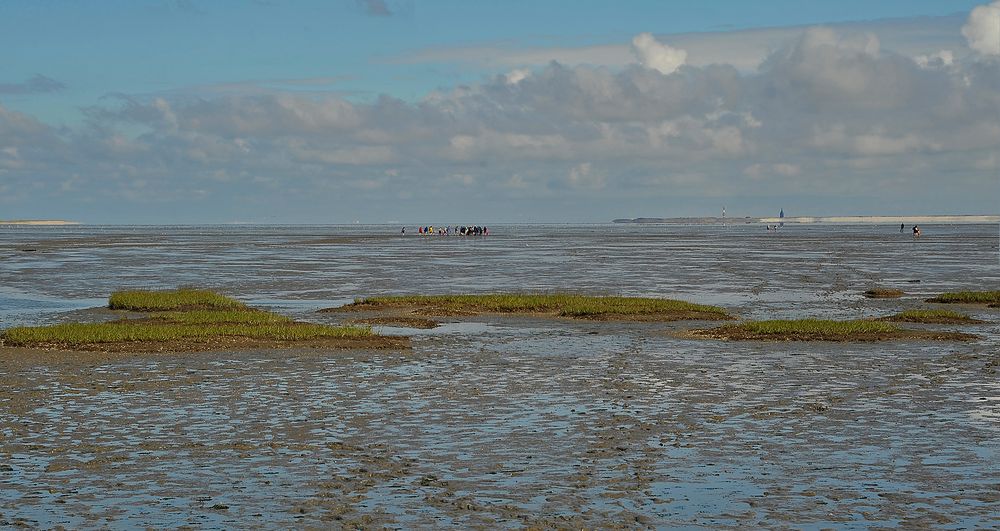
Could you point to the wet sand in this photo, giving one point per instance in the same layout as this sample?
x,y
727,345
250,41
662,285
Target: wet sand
x,y
604,425
499,422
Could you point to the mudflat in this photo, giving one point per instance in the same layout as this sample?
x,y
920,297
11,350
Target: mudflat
x,y
581,424
502,420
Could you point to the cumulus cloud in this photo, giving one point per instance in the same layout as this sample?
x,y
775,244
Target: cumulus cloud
x,y
940,59
34,85
982,29
517,75
826,113
743,49
656,55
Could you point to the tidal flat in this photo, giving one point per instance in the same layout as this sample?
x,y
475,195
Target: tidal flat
x,y
499,421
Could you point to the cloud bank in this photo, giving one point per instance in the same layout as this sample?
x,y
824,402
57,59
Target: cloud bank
x,y
831,120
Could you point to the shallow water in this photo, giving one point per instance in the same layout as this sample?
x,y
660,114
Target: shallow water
x,y
506,422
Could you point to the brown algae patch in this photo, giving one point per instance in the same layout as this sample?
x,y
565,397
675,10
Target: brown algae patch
x,y
822,330
883,293
187,326
931,317
398,320
547,305
991,298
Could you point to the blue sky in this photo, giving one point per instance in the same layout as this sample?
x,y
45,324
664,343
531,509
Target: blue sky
x,y
332,111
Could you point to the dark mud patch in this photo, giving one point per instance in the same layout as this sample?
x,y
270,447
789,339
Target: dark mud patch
x,y
883,293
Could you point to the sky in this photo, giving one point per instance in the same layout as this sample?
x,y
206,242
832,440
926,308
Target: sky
x,y
458,112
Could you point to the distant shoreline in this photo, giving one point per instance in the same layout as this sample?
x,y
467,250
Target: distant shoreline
x,y
37,222
818,219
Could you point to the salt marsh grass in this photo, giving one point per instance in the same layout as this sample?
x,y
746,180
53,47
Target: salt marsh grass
x,y
931,317
823,330
74,334
968,297
192,316
249,316
566,305
180,299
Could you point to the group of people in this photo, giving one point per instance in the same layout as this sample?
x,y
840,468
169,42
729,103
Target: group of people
x,y
447,231
916,230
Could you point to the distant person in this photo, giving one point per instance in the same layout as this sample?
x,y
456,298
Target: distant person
x,y
916,231
901,227
403,231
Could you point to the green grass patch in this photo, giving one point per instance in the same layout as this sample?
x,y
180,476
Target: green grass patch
x,y
565,305
968,297
817,326
179,299
192,320
822,330
931,317
74,334
883,293
249,316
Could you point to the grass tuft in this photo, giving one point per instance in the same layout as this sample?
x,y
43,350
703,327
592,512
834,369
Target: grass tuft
x,y
931,317
816,326
823,330
191,317
180,299
968,297
565,305
249,316
72,334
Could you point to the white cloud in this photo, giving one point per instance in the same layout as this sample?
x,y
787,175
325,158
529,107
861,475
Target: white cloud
x,y
876,141
824,112
656,55
935,60
517,75
982,30
743,49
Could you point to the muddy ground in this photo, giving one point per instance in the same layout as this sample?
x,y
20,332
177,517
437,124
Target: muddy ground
x,y
497,422
507,423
